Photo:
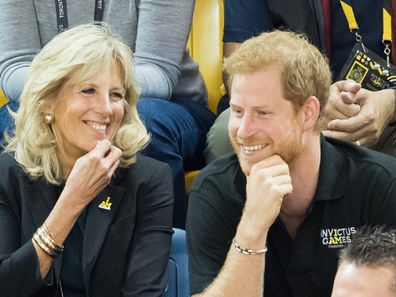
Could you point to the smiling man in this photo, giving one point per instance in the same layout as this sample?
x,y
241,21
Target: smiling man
x,y
271,218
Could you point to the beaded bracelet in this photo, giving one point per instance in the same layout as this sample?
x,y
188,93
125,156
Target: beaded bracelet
x,y
247,251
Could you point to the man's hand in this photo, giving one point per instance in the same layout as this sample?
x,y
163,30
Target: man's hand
x,y
342,102
365,128
267,185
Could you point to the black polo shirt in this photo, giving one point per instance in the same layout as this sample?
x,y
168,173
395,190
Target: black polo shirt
x,y
356,186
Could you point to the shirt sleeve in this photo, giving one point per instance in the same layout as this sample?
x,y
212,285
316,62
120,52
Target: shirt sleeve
x,y
245,19
163,29
19,43
210,228
382,206
150,248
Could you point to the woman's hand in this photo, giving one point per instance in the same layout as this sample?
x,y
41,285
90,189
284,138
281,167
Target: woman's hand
x,y
92,172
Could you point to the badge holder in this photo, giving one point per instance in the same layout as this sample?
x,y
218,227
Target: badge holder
x,y
367,68
364,66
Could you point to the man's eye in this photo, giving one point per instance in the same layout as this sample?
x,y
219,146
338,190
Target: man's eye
x,y
89,91
236,111
262,113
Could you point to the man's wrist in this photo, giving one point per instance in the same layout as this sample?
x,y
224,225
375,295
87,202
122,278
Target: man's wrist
x,y
248,251
251,235
387,101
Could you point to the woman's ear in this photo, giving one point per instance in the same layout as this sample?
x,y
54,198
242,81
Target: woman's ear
x,y
47,112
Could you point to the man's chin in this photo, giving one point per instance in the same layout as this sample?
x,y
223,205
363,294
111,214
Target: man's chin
x,y
245,165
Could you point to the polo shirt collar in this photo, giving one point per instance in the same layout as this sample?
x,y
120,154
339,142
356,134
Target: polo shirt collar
x,y
333,174
239,178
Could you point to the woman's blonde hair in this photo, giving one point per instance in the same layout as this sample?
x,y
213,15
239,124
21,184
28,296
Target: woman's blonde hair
x,y
305,71
72,57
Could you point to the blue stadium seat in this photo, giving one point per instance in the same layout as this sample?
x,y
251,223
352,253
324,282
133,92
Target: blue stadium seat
x,y
178,282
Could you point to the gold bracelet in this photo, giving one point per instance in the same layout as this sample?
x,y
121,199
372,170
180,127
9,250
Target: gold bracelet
x,y
41,245
48,241
247,251
51,238
45,241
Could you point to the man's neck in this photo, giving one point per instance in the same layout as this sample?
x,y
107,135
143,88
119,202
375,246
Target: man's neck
x,y
304,172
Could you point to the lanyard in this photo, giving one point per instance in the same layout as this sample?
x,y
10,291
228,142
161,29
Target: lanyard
x,y
386,21
61,13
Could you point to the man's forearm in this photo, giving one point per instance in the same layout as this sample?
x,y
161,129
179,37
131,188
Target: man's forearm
x,y
241,275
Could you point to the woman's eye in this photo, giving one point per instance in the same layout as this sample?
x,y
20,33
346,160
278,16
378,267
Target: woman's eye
x,y
117,96
89,91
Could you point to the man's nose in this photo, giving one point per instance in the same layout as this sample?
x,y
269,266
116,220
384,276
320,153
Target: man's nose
x,y
247,127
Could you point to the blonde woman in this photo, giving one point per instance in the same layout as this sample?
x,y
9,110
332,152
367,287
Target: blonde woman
x,y
173,96
82,213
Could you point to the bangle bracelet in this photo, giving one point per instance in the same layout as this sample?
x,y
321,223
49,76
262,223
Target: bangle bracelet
x,y
49,241
51,238
247,251
45,241
42,246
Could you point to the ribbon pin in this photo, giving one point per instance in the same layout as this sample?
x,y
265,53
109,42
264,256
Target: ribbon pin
x,y
105,204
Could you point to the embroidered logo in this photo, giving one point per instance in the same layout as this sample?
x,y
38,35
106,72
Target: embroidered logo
x,y
337,237
105,204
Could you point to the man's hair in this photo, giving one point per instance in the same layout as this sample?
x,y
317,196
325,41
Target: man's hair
x,y
304,70
372,247
72,57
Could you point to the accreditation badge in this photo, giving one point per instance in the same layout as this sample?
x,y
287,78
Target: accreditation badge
x,y
368,69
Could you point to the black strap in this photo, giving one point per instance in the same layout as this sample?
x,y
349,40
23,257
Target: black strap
x,y
353,26
99,8
61,13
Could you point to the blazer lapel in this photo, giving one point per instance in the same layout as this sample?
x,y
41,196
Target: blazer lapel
x,y
41,199
101,212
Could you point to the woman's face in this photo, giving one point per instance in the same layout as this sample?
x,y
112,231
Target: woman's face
x,y
89,111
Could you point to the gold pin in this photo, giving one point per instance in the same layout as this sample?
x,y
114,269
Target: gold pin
x,y
105,204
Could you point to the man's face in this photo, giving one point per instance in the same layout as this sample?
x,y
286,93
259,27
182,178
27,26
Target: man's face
x,y
262,123
361,281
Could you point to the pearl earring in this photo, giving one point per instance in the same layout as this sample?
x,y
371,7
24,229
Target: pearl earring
x,y
49,119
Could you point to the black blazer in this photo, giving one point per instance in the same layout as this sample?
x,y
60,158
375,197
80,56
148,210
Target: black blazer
x,y
125,249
